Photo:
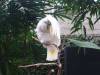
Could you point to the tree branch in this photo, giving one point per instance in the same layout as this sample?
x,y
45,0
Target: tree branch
x,y
38,65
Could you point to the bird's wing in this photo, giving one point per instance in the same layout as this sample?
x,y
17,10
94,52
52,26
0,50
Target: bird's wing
x,y
54,29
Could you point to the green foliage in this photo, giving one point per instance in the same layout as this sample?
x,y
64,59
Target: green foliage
x,y
84,44
79,9
17,19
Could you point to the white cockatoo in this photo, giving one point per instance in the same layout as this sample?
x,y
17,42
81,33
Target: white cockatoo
x,y
48,33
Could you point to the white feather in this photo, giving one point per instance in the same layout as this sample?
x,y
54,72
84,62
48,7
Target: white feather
x,y
43,35
55,27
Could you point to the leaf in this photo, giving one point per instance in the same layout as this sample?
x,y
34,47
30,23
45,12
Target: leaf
x,y
75,30
65,16
97,20
90,23
76,17
77,26
84,44
78,21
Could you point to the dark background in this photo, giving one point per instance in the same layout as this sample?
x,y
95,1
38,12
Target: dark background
x,y
81,61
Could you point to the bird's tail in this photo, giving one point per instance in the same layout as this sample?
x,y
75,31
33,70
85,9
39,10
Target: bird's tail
x,y
52,53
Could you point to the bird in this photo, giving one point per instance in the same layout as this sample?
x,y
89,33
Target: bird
x,y
48,33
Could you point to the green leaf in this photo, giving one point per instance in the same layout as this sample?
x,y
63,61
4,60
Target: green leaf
x,y
65,16
90,23
84,44
97,20
75,30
